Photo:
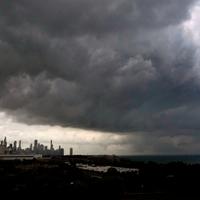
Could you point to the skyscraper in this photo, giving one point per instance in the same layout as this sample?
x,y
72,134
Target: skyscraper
x,y
51,145
71,151
35,145
31,146
5,142
15,146
20,145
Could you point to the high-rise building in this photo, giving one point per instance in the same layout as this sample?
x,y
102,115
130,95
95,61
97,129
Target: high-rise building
x,y
20,145
5,142
31,146
35,145
51,145
2,149
71,151
15,146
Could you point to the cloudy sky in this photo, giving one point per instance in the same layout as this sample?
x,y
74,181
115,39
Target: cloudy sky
x,y
102,76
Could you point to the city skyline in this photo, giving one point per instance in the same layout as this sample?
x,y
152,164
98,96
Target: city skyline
x,y
15,147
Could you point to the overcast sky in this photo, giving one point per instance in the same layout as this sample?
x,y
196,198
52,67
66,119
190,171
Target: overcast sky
x,y
102,76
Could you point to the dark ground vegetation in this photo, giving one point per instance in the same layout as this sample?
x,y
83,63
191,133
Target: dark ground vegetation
x,y
56,177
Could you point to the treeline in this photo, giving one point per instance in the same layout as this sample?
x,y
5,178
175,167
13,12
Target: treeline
x,y
55,177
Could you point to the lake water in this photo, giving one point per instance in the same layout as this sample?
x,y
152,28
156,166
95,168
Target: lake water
x,y
189,159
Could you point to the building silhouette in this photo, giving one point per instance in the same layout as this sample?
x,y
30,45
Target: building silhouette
x,y
71,151
37,148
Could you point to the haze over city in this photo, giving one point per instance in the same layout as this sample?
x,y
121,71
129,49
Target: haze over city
x,y
104,77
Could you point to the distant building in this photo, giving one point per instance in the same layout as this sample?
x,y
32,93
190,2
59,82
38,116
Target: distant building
x,y
5,142
71,151
31,146
20,145
15,146
35,145
2,149
51,145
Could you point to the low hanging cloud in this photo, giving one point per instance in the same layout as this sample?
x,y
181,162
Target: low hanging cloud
x,y
110,65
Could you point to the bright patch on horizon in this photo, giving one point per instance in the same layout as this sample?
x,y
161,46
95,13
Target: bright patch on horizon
x,y
83,141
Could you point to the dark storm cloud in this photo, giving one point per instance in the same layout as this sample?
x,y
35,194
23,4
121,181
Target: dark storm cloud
x,y
96,17
111,65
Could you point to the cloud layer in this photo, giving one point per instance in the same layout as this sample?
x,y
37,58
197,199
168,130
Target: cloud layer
x,y
111,65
